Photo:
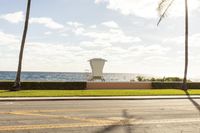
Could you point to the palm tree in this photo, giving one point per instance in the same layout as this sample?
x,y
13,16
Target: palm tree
x,y
17,84
162,9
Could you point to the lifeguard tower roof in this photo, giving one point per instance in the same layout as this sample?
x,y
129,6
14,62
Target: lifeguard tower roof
x,y
97,59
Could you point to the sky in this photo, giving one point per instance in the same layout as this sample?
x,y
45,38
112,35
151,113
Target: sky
x,y
64,34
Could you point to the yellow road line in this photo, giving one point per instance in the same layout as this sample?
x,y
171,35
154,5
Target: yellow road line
x,y
88,109
65,110
4,112
56,110
167,121
46,126
79,125
177,120
65,117
89,122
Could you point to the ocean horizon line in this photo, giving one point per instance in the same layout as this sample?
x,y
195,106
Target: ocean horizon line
x,y
78,72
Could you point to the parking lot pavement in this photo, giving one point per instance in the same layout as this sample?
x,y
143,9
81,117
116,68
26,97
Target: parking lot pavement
x,y
101,116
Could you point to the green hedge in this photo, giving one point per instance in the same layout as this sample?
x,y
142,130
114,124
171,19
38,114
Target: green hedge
x,y
45,85
174,85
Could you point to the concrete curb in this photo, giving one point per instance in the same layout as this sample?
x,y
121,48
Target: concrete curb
x,y
97,98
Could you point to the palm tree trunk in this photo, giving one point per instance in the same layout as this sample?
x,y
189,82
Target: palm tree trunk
x,y
186,47
17,84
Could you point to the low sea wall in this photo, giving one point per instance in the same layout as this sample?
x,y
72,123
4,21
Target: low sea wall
x,y
5,85
33,85
119,85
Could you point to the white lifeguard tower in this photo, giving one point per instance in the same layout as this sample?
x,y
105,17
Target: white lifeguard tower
x,y
97,65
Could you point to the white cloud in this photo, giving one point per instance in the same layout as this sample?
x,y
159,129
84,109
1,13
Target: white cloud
x,y
100,1
52,57
14,17
148,51
93,26
157,59
94,45
74,57
79,30
112,36
147,8
7,38
110,24
17,17
47,22
76,27
194,40
47,33
74,24
115,51
64,34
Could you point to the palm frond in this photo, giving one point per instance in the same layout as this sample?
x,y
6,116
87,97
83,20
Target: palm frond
x,y
163,7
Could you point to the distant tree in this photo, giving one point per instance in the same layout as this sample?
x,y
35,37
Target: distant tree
x,y
140,78
153,79
173,79
17,84
159,79
164,79
162,9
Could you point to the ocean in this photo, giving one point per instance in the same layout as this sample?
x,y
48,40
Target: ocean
x,y
65,76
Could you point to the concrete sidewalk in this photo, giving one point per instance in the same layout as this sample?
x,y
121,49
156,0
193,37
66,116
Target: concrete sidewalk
x,y
97,98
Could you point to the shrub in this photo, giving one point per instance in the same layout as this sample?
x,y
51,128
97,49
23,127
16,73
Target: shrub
x,y
166,85
45,85
174,85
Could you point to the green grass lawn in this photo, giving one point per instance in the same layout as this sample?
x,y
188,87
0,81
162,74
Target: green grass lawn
x,y
70,93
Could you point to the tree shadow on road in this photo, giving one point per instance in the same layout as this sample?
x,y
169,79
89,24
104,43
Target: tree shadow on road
x,y
122,123
197,106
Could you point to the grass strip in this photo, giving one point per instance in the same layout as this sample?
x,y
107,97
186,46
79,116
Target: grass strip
x,y
82,93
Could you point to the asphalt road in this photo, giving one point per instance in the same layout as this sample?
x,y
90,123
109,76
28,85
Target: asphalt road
x,y
101,116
